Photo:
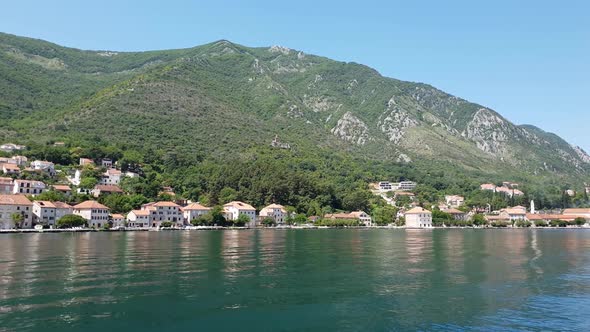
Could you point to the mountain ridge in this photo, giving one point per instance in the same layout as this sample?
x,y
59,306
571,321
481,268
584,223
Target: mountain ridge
x,y
307,99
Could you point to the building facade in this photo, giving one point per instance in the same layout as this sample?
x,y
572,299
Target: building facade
x,y
11,205
96,214
418,218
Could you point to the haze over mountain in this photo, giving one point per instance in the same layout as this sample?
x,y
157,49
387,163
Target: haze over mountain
x,y
222,98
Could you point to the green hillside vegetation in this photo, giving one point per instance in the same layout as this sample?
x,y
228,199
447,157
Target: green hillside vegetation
x,y
201,120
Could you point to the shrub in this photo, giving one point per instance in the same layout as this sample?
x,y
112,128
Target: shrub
x,y
166,224
522,223
540,223
499,224
268,221
71,220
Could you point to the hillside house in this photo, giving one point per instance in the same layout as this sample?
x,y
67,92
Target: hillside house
x,y
10,169
44,166
111,177
64,189
103,189
10,147
454,201
27,187
86,161
6,186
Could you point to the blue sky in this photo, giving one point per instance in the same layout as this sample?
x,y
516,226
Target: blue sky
x,y
528,60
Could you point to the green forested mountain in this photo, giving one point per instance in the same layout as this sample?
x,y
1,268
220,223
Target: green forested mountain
x,y
198,113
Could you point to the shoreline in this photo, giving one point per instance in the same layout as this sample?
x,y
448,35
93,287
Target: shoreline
x,y
219,228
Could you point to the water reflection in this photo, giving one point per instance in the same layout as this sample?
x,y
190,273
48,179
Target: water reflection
x,y
336,279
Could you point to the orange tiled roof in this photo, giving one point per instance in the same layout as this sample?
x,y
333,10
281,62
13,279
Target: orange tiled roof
x,y
14,200
90,205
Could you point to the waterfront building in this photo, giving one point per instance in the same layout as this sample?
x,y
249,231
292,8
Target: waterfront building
x,y
233,210
15,204
118,220
418,217
276,212
96,214
164,211
138,219
48,213
193,211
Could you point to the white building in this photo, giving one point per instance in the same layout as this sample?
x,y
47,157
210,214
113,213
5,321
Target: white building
x,y
111,177
138,219
363,217
9,147
418,218
514,213
44,166
15,204
48,213
193,211
233,210
106,163
164,211
118,220
26,187
96,214
454,201
10,169
386,186
6,186
407,185
276,212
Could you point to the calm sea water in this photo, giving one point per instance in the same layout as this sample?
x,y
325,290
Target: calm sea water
x,y
297,280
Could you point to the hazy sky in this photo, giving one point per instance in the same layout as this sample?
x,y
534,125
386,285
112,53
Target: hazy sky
x,y
528,60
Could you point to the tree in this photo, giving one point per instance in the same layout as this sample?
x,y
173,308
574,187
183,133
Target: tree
x,y
217,217
579,221
440,218
17,219
227,195
384,215
166,224
357,200
300,219
242,220
478,220
88,183
268,221
71,220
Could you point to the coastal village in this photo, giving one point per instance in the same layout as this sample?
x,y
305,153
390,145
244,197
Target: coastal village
x,y
21,209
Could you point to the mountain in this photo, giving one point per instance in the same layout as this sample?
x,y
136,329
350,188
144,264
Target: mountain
x,y
221,99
